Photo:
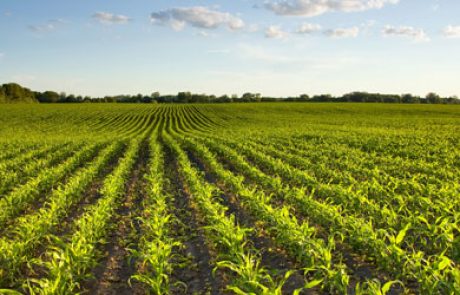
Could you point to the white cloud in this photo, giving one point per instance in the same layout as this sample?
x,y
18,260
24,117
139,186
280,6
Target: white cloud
x,y
2,55
275,32
42,28
110,18
49,26
311,8
352,32
308,28
452,31
198,17
415,34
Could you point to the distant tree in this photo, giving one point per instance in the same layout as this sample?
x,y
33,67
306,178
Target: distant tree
x,y
409,98
13,92
146,99
155,95
453,100
433,98
63,97
390,98
269,99
251,97
70,98
322,98
2,95
184,97
48,97
304,97
223,99
110,99
246,97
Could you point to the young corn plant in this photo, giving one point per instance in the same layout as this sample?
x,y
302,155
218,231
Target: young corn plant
x,y
227,236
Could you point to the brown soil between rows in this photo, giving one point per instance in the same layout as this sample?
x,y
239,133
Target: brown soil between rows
x,y
90,196
361,268
40,200
196,274
112,275
273,258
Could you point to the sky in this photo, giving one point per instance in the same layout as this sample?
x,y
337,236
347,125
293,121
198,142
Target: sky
x,y
272,47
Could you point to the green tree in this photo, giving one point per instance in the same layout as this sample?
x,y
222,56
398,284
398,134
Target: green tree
x,y
184,97
49,97
13,93
433,98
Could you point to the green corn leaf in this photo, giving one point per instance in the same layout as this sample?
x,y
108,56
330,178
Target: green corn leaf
x,y
445,262
313,284
402,234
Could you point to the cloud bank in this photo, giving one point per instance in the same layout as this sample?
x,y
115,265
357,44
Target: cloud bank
x,y
352,32
307,28
275,32
51,25
198,17
415,34
311,8
110,18
451,31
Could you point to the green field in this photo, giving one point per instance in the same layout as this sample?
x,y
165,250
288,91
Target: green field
x,y
230,199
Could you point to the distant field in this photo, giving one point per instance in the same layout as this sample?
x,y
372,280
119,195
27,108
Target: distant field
x,y
230,199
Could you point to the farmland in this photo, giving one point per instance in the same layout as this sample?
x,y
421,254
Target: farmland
x,y
230,199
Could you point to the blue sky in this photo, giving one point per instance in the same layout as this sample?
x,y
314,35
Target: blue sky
x,y
274,47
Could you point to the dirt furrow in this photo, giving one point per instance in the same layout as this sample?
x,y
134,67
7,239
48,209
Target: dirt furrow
x,y
196,274
272,257
113,273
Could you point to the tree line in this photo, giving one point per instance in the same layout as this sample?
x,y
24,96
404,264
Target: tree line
x,y
12,93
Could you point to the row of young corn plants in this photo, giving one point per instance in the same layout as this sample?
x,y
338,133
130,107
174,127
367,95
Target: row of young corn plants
x,y
17,200
130,126
143,122
192,119
137,126
408,192
406,145
423,235
355,201
434,273
397,166
69,260
207,116
157,243
230,239
433,223
32,153
18,245
13,177
10,151
298,238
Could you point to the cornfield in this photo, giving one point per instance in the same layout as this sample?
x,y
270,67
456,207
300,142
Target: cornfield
x,y
279,198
